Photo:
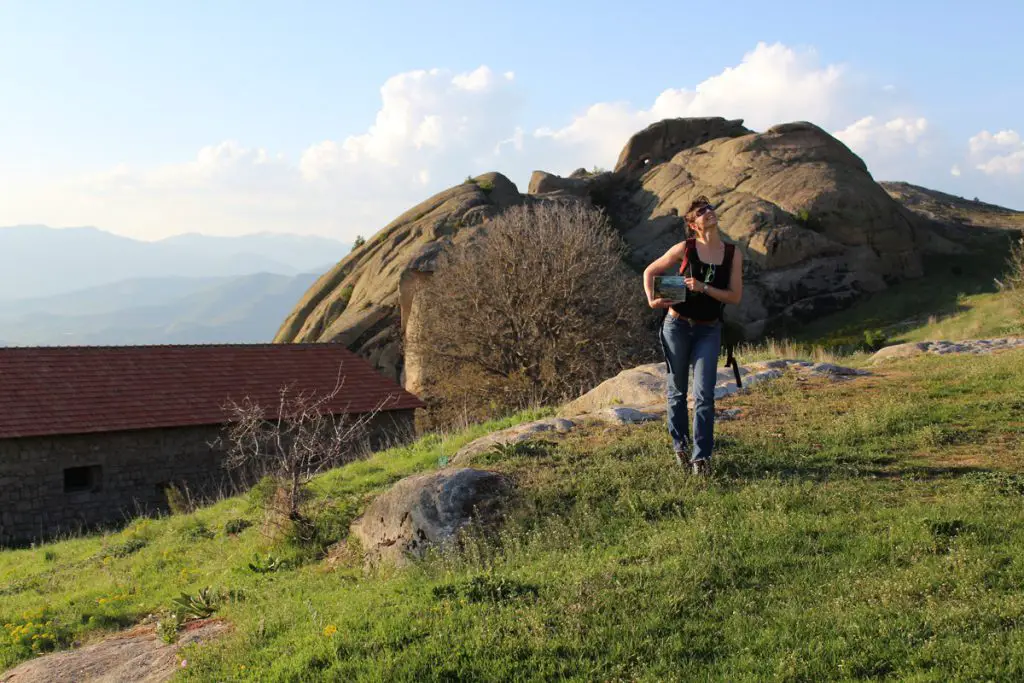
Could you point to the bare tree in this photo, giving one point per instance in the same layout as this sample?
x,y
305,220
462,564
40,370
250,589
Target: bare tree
x,y
538,307
293,441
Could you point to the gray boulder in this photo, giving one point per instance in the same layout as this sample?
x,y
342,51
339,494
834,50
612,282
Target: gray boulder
x,y
427,510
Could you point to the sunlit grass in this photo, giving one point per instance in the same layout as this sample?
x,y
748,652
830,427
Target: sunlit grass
x,y
865,528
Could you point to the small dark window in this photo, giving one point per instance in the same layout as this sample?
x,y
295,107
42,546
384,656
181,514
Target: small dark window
x,y
82,478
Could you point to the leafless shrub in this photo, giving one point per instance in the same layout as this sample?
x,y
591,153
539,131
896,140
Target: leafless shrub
x,y
537,308
287,445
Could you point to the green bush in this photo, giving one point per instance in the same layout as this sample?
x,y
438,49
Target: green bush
x,y
129,547
874,340
178,501
262,494
195,530
37,632
1015,274
236,526
267,564
806,220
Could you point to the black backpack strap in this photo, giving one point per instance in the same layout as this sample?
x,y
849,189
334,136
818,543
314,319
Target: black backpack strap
x,y
730,345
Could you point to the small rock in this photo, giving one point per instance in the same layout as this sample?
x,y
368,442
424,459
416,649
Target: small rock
x,y
898,351
837,370
627,415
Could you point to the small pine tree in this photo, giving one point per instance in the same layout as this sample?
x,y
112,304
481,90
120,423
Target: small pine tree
x,y
358,243
1015,275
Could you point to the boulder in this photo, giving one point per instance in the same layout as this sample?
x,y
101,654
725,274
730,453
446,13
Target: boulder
x,y
427,510
898,351
579,185
660,141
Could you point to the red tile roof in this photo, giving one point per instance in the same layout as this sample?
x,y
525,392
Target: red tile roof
x,y
79,389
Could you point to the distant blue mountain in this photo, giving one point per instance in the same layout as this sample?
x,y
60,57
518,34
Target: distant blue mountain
x,y
39,261
172,310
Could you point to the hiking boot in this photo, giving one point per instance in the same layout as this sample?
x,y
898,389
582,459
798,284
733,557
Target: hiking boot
x,y
682,455
702,468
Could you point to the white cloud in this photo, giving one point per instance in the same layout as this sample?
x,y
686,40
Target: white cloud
x,y
889,136
772,84
1001,153
894,148
434,127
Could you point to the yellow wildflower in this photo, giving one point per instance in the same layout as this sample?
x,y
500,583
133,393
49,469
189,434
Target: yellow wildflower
x,y
330,630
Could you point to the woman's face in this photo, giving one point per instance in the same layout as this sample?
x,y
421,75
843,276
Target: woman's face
x,y
704,219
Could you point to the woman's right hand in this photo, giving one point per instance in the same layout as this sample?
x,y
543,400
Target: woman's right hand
x,y
659,303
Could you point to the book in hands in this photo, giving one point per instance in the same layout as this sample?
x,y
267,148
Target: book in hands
x,y
670,287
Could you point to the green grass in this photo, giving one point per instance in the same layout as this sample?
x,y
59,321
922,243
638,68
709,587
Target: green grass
x,y
980,316
848,533
952,288
80,587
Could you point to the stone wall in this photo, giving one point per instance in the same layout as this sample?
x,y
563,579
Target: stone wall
x,y
63,484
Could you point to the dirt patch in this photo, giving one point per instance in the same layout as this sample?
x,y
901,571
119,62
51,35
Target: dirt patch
x,y
136,655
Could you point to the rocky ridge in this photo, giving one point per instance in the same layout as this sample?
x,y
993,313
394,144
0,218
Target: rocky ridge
x,y
817,232
943,348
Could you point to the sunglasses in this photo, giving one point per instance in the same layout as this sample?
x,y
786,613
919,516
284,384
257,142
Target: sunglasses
x,y
702,210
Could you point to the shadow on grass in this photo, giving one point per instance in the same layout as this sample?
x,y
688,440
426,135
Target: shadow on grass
x,y
726,470
898,308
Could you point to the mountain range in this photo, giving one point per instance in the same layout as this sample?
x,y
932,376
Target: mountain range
x,y
86,286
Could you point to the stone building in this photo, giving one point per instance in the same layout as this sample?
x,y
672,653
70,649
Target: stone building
x,y
95,435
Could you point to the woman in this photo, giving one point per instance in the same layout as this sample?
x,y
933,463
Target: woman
x,y
691,333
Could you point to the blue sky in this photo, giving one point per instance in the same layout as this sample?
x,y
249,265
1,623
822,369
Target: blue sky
x,y
152,118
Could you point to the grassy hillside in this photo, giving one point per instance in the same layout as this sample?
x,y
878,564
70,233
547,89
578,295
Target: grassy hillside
x,y
957,299
848,532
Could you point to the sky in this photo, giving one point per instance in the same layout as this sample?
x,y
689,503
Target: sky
x,y
150,119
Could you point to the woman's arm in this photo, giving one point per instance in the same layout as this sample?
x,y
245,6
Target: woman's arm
x,y
671,257
734,294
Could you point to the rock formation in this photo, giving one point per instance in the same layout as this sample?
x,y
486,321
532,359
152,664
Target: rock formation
x,y
816,230
360,302
428,510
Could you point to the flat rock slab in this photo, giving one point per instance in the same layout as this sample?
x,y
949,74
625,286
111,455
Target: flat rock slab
x,y
645,385
528,431
942,347
627,415
134,656
638,395
427,510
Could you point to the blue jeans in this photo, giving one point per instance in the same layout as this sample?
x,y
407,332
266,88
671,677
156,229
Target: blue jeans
x,y
695,346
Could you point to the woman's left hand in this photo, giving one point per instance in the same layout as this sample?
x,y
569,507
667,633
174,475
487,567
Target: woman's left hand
x,y
694,285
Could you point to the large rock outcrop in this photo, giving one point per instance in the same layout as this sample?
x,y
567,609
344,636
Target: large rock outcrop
x,y
817,232
360,302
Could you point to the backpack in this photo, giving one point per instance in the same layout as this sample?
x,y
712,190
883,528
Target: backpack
x,y
730,336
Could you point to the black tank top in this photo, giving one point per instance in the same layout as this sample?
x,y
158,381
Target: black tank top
x,y
700,306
